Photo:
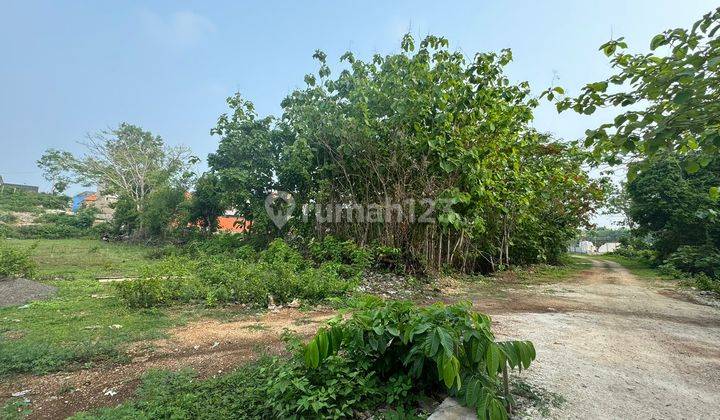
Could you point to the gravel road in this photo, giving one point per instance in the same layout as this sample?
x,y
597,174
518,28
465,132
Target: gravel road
x,y
616,347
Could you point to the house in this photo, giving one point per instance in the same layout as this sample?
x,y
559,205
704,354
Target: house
x,y
103,203
230,223
17,187
583,247
608,247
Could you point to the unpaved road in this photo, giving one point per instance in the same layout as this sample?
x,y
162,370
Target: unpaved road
x,y
616,347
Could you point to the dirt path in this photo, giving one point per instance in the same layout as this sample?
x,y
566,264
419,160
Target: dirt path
x,y
209,347
618,348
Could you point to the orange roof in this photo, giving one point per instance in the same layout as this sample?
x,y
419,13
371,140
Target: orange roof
x,y
233,224
91,197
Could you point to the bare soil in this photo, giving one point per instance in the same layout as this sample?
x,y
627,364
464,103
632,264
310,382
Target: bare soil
x,y
210,347
611,345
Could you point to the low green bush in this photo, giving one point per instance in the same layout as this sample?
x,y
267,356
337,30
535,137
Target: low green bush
x,y
280,272
16,262
696,260
384,357
27,201
7,218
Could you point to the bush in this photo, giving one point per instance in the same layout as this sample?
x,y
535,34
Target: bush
x,y
16,262
696,260
441,347
27,201
280,272
172,280
7,218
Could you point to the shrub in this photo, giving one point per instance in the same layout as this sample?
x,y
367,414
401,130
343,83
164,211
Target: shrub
x,y
16,262
696,260
172,280
27,201
7,218
280,272
445,347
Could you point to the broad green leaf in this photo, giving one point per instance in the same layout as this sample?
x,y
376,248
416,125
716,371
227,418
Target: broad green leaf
x,y
657,41
312,354
492,359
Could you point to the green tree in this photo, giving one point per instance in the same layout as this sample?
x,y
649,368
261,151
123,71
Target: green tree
x,y
53,164
206,203
672,205
671,95
422,123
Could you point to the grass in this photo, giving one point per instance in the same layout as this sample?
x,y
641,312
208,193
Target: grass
x,y
529,395
570,265
85,322
84,258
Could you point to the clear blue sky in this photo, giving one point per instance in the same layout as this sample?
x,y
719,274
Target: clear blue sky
x,y
72,67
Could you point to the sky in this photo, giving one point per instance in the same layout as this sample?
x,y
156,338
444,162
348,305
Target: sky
x,y
68,68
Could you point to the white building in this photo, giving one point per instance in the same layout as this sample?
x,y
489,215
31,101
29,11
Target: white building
x,y
583,247
608,247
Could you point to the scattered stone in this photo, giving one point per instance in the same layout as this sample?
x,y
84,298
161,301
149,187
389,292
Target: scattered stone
x,y
21,291
450,409
20,393
111,392
115,326
294,304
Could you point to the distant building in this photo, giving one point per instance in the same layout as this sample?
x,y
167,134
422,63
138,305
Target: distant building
x,y
230,223
582,247
17,187
587,247
103,203
608,247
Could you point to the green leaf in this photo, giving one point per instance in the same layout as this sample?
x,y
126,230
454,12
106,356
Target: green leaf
x,y
445,340
492,359
450,370
497,410
312,354
657,41
682,97
714,193
473,393
323,345
691,166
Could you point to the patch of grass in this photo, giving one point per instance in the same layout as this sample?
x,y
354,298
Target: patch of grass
x,y
15,408
73,328
569,266
85,322
84,258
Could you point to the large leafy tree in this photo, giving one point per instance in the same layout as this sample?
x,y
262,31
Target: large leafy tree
x,y
423,123
672,98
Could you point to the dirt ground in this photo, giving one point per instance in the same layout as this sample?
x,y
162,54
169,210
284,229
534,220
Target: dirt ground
x,y
210,347
611,345
617,348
